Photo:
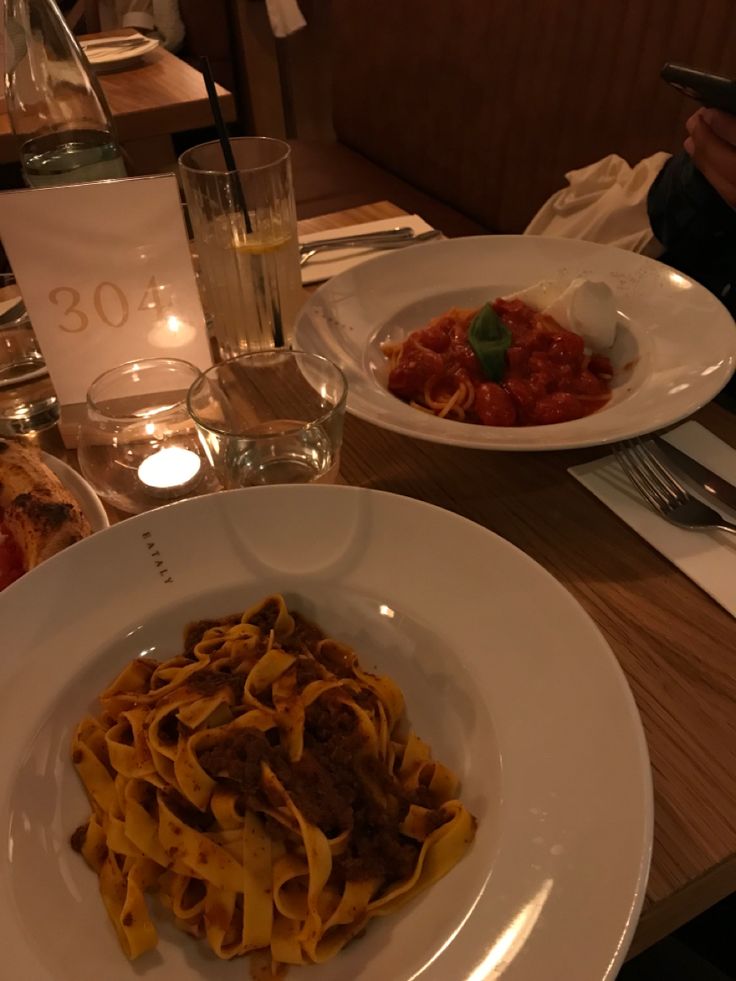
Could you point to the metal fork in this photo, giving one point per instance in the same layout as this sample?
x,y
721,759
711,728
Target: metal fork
x,y
377,245
662,492
342,241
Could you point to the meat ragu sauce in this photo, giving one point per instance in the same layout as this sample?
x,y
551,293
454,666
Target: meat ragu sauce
x,y
548,378
336,784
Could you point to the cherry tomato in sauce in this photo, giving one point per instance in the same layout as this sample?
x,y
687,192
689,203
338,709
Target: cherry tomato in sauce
x,y
416,366
523,394
556,407
437,338
567,349
493,405
587,383
517,358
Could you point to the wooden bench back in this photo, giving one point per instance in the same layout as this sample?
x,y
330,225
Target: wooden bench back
x,y
487,103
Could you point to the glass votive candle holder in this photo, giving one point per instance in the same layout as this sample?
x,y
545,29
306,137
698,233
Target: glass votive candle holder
x,y
138,445
271,417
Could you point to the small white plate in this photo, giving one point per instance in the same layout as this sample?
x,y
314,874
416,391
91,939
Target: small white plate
x,y
117,56
675,346
82,491
503,672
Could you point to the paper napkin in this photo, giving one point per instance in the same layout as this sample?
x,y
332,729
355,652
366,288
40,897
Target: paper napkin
x,y
327,264
706,557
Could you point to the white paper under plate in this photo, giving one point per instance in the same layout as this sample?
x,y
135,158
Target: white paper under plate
x,y
332,262
503,673
706,557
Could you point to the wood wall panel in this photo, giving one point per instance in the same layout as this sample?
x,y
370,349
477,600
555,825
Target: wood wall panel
x,y
487,103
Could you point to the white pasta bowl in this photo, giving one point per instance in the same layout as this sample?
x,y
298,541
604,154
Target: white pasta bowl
x,y
503,673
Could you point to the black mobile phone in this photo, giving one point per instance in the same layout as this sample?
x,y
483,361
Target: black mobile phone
x,y
714,91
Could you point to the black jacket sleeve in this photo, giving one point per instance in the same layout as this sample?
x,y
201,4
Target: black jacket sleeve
x,y
685,211
696,227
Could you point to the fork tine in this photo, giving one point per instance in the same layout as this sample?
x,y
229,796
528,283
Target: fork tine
x,y
657,488
630,468
650,477
654,466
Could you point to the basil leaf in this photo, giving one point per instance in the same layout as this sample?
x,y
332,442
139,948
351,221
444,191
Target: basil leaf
x,y
490,338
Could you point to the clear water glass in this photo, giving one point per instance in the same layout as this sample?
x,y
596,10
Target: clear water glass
x,y
28,402
271,417
245,234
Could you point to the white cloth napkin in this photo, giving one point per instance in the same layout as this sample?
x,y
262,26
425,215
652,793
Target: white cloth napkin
x,y
707,557
162,16
605,202
329,263
285,17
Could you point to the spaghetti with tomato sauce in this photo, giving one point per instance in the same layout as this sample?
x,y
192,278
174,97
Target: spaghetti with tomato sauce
x,y
548,376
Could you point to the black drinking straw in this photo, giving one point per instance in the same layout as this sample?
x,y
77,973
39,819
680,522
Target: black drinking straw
x,y
239,193
227,150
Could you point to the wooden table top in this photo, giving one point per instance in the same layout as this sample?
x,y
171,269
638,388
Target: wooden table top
x,y
160,94
676,646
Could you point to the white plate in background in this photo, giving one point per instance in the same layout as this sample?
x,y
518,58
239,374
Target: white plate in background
x,y
675,346
504,675
114,55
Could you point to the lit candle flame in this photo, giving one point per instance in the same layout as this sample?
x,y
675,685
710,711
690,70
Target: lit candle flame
x,y
170,469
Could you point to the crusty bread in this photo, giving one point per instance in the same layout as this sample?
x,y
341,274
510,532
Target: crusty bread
x,y
37,510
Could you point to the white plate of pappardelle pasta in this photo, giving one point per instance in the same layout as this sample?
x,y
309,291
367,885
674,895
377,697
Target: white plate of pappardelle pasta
x,y
674,347
255,783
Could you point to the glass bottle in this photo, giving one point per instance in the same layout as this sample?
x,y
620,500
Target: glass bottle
x,y
56,107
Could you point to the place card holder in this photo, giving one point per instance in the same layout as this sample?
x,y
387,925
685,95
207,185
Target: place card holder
x,y
106,273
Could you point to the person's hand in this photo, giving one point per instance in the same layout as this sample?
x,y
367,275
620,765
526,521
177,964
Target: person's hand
x,y
711,142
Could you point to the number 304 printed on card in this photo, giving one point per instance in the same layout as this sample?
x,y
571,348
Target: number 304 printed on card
x,y
106,303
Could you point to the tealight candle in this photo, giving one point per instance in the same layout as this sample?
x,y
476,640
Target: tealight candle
x,y
170,472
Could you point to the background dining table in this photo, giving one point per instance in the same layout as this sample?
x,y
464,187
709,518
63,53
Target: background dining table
x,y
675,645
153,98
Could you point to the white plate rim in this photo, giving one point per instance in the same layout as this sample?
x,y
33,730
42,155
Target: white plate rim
x,y
129,528
81,489
98,55
319,330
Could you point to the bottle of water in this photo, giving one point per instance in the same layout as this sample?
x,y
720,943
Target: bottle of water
x,y
56,106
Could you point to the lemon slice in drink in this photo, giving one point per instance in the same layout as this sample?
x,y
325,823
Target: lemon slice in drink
x,y
255,245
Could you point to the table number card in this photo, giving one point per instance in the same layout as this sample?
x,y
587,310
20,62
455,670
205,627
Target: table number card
x,y
107,277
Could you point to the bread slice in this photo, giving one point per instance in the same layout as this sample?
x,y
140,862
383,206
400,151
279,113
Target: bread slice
x,y
37,510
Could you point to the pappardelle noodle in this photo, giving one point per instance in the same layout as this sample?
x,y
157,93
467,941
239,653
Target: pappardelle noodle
x,y
265,788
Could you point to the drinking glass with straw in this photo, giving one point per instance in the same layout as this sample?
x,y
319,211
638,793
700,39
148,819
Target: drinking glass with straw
x,y
240,199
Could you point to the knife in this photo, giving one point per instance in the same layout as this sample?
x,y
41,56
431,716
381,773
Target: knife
x,y
714,489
